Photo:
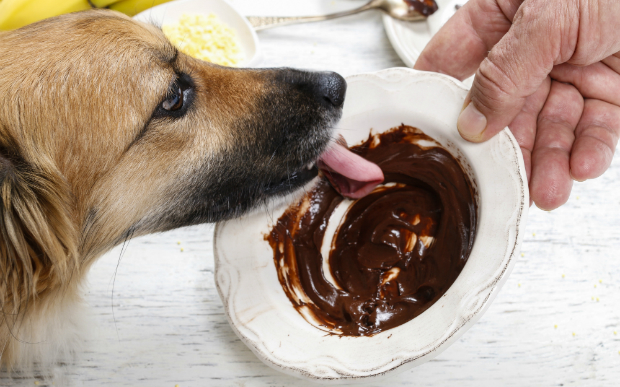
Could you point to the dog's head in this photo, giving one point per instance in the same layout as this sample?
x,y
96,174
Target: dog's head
x,y
107,131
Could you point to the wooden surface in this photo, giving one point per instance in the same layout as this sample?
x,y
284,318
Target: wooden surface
x,y
165,324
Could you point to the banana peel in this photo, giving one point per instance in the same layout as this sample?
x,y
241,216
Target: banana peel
x,y
134,7
102,3
18,13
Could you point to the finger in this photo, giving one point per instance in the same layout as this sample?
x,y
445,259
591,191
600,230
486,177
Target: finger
x,y
464,41
551,182
596,81
514,69
597,35
596,140
613,62
523,127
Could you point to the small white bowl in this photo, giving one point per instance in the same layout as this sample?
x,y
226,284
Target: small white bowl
x,y
264,318
169,13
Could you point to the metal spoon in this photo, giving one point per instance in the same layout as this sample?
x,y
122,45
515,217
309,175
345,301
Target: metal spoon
x,y
407,10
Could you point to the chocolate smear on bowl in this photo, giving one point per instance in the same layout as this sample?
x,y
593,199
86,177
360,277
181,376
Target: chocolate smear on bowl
x,y
394,252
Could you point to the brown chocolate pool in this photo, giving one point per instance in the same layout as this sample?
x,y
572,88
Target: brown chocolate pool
x,y
395,252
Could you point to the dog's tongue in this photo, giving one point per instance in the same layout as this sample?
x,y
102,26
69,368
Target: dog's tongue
x,y
351,175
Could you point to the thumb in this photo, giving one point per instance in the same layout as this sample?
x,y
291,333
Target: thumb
x,y
514,69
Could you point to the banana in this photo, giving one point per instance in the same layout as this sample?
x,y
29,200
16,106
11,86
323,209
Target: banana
x,y
18,13
134,7
102,3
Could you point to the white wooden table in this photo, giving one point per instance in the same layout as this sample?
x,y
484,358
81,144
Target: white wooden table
x,y
555,323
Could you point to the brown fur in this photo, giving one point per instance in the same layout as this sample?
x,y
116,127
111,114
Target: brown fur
x,y
84,165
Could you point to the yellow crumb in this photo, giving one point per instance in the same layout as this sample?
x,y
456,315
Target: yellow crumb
x,y
182,249
592,298
600,281
594,285
205,37
519,285
597,300
615,333
533,234
522,254
556,326
577,197
176,385
563,276
36,382
574,334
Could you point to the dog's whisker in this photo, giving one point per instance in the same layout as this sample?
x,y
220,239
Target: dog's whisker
x,y
128,236
288,173
10,327
265,204
6,316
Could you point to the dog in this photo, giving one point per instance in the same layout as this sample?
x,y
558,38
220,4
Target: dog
x,y
108,132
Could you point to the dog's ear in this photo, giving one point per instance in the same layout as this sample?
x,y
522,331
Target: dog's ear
x,y
38,240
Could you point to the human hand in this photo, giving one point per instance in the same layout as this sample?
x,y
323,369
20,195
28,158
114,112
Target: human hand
x,y
547,69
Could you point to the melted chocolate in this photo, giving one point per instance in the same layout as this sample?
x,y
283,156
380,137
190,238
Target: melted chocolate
x,y
424,7
397,250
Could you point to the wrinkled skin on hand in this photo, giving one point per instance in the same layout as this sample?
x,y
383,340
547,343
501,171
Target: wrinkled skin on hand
x,y
548,69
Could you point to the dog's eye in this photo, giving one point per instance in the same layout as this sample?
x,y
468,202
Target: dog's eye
x,y
178,99
174,101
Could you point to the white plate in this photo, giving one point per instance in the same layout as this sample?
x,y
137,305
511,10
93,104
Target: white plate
x,y
263,317
168,13
409,39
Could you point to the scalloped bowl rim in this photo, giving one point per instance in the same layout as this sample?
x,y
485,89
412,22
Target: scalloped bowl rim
x,y
260,316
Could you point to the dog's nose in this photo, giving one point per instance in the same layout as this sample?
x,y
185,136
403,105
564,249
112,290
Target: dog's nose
x,y
326,87
332,87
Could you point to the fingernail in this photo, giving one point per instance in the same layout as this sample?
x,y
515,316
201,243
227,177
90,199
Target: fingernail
x,y
573,177
471,123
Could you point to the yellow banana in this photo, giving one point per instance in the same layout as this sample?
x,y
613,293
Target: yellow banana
x,y
102,3
18,13
134,7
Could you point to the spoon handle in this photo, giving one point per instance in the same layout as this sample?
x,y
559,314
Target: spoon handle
x,y
264,22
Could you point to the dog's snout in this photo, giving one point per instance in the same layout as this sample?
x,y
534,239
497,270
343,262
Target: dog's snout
x,y
332,87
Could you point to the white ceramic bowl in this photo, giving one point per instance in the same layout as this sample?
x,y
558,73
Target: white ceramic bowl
x,y
263,317
169,13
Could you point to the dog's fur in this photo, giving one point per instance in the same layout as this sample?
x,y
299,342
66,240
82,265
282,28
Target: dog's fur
x,y
89,158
